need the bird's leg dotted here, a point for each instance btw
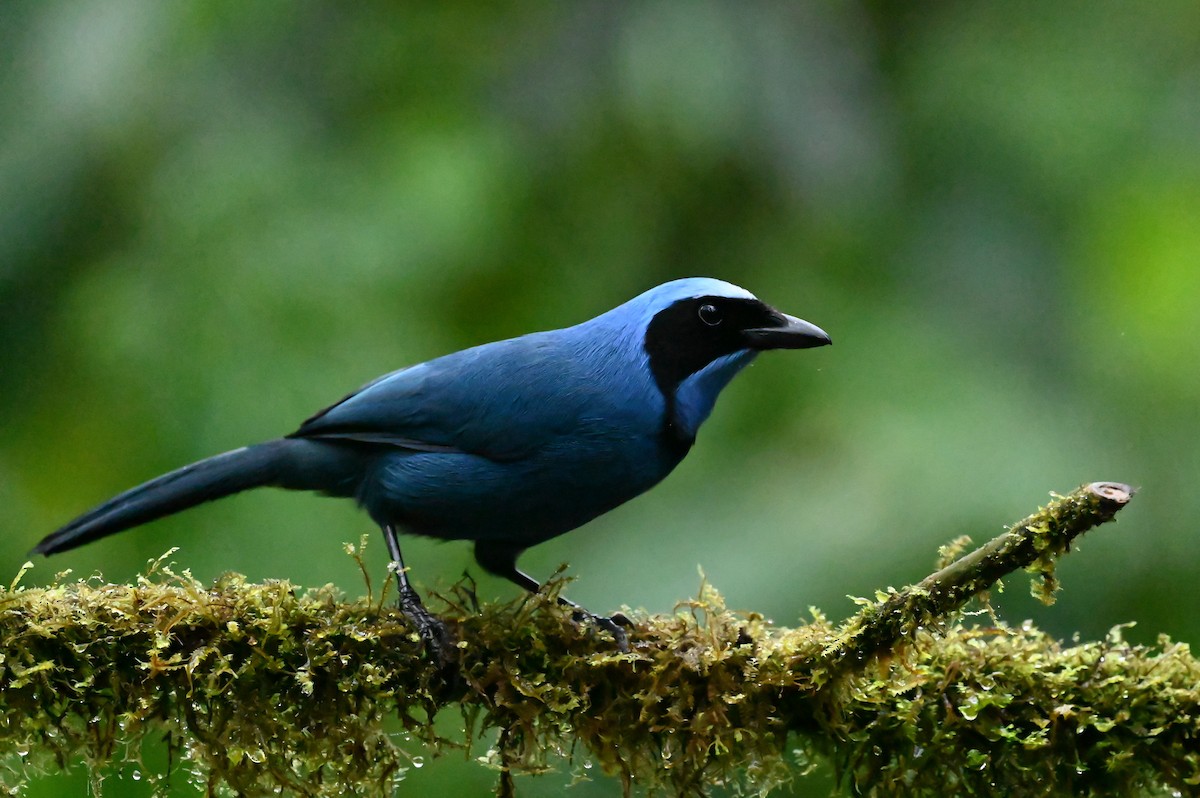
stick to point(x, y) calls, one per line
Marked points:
point(501, 560)
point(431, 629)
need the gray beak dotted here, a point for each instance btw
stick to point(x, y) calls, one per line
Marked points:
point(791, 333)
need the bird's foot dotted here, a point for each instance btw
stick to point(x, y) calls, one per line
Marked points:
point(430, 628)
point(615, 625)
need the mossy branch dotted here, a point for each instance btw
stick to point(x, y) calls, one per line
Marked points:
point(1034, 543)
point(258, 688)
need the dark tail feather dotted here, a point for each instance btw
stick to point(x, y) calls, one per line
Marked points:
point(241, 469)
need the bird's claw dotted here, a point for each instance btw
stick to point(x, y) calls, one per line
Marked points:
point(614, 626)
point(430, 628)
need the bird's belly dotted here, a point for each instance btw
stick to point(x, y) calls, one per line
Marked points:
point(463, 496)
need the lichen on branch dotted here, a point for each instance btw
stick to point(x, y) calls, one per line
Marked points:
point(260, 687)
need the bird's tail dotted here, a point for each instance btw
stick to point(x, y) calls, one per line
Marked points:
point(231, 472)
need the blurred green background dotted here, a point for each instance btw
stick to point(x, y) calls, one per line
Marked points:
point(216, 218)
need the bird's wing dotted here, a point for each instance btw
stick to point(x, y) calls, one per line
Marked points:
point(500, 401)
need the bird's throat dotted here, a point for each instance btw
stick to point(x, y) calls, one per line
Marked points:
point(676, 438)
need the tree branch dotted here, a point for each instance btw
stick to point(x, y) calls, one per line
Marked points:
point(1034, 543)
point(257, 687)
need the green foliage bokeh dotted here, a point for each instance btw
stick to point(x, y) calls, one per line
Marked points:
point(216, 218)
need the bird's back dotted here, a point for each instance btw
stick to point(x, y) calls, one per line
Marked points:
point(523, 438)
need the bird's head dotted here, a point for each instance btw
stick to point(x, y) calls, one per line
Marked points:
point(697, 333)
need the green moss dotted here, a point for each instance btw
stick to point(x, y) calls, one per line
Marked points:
point(260, 688)
point(255, 685)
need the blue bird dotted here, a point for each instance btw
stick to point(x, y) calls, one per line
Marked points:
point(507, 444)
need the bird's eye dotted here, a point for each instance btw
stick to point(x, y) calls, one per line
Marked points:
point(710, 315)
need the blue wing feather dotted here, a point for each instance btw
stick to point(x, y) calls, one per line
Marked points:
point(501, 401)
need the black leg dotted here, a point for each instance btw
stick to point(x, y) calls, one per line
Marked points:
point(431, 629)
point(501, 560)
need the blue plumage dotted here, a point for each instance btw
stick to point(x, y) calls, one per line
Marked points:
point(509, 443)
